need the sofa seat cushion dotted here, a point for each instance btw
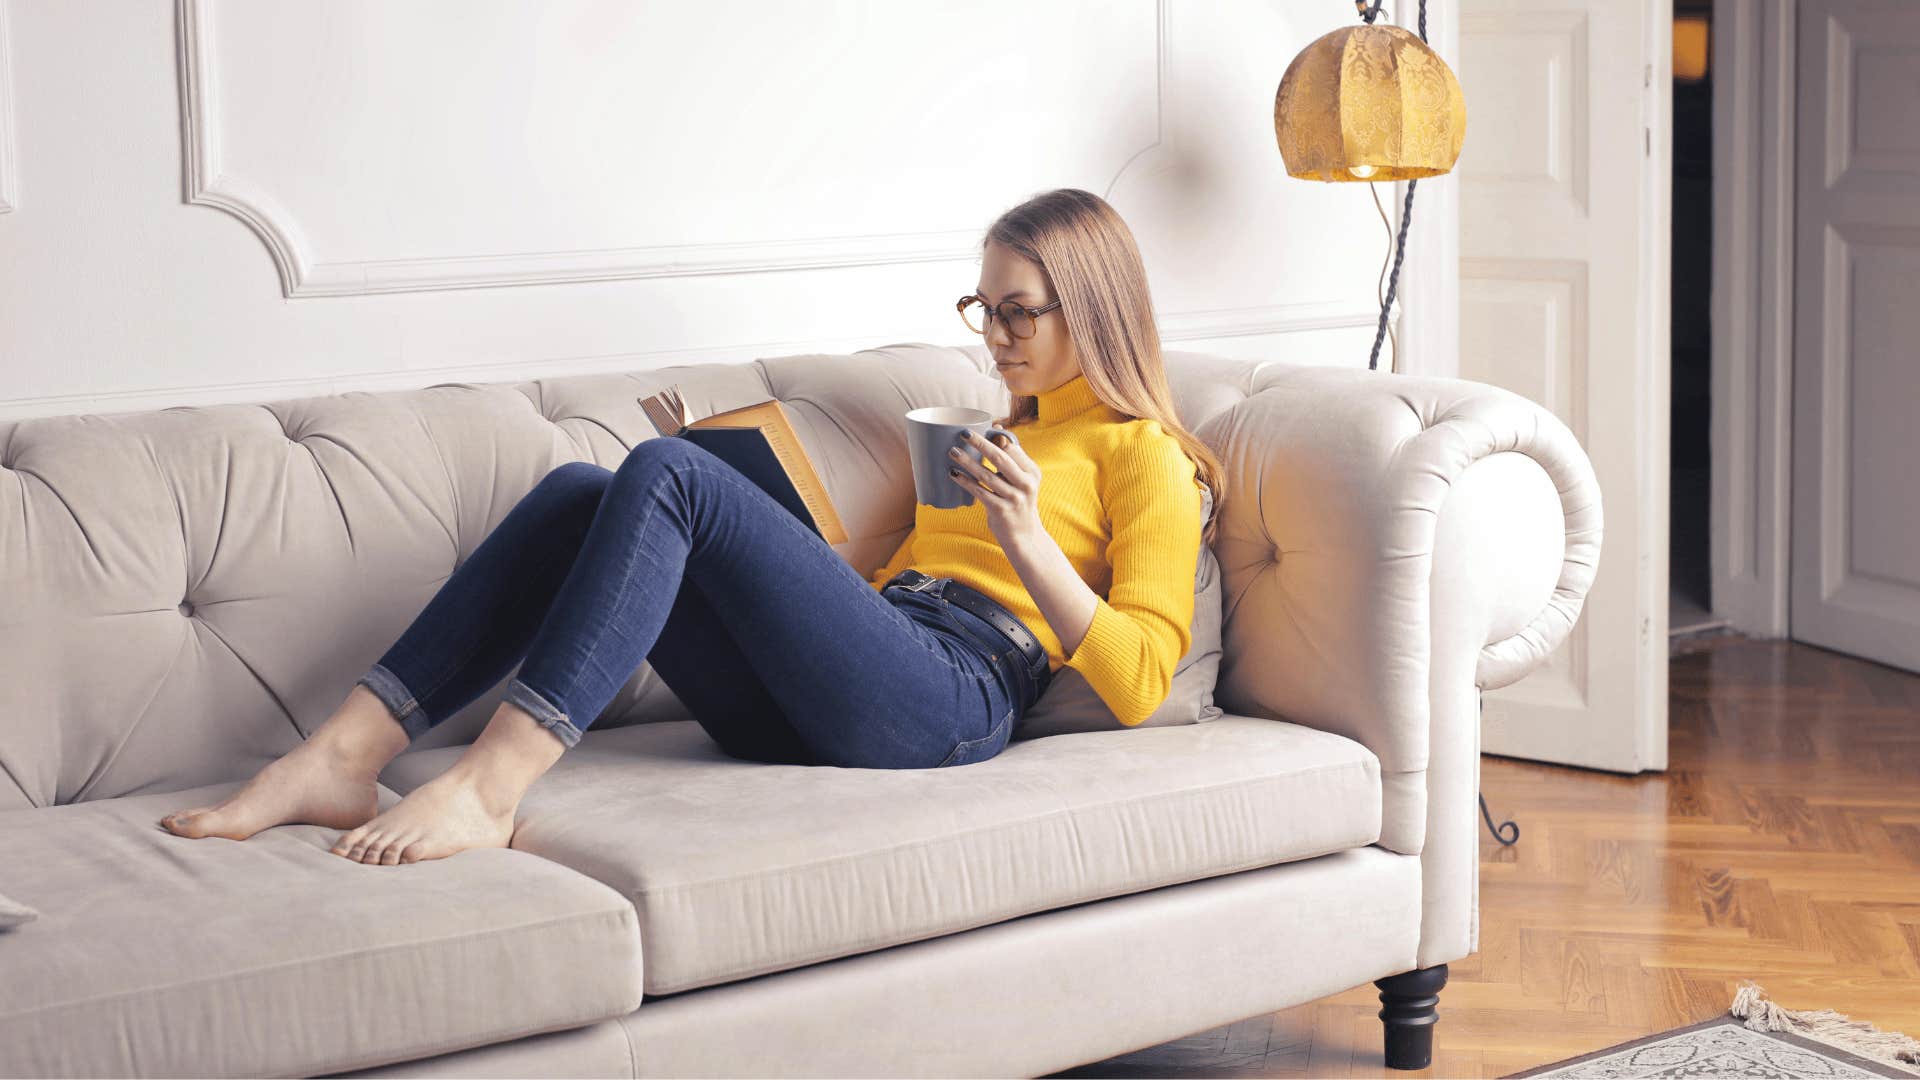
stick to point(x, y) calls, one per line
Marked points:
point(739, 868)
point(160, 955)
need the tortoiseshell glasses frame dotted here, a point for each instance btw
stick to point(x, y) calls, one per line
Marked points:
point(1021, 316)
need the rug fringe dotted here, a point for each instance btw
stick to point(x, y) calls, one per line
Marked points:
point(1824, 1025)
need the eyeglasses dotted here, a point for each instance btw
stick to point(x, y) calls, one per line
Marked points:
point(1019, 319)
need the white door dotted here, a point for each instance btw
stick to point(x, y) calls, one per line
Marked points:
point(1564, 192)
point(1855, 552)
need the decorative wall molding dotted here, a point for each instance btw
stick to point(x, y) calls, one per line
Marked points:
point(208, 184)
point(1255, 321)
point(386, 379)
point(9, 176)
point(1191, 326)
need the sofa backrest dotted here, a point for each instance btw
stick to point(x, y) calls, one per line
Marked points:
point(187, 592)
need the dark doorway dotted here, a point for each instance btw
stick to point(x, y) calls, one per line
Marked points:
point(1690, 600)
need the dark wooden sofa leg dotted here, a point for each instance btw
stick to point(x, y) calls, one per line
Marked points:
point(1410, 1006)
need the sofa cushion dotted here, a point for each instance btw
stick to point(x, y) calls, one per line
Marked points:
point(160, 955)
point(739, 868)
point(13, 913)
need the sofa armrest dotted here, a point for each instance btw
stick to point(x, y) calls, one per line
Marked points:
point(1391, 545)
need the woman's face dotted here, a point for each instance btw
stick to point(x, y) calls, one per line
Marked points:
point(1027, 365)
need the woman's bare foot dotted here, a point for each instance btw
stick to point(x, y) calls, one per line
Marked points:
point(308, 784)
point(470, 805)
point(327, 780)
point(447, 814)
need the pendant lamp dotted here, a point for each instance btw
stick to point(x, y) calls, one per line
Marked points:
point(1368, 103)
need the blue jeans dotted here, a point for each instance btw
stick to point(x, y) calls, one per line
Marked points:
point(777, 647)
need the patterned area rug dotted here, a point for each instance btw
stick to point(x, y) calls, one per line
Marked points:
point(1722, 1046)
point(1757, 1039)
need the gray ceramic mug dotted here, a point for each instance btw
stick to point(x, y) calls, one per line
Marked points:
point(930, 431)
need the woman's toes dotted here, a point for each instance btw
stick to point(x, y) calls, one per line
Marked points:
point(353, 839)
point(181, 822)
point(390, 854)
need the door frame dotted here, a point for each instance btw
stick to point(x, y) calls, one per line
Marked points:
point(1751, 316)
point(1656, 334)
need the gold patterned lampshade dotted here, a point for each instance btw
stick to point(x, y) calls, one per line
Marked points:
point(1369, 103)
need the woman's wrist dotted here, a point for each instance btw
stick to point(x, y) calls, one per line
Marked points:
point(1064, 600)
point(1029, 546)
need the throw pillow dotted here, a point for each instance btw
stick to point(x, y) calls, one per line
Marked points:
point(13, 913)
point(1070, 703)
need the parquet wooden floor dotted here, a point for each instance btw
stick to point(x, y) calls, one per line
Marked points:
point(1782, 844)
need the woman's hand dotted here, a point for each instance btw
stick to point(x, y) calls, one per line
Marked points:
point(1011, 495)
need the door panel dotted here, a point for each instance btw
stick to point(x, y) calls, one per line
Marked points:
point(1856, 384)
point(1564, 181)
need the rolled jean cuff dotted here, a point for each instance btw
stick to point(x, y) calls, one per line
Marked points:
point(542, 711)
point(399, 700)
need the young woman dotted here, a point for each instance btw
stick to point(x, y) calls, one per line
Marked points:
point(777, 647)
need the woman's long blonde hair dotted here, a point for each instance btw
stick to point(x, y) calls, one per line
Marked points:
point(1088, 257)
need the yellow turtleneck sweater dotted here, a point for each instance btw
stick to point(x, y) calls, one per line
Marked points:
point(1123, 501)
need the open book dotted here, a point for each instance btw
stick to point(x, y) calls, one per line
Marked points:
point(759, 441)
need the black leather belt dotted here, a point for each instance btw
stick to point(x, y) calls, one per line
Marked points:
point(971, 600)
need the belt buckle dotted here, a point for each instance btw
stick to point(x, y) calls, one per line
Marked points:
point(919, 582)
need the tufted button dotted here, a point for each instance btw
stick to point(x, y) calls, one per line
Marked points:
point(186, 608)
point(278, 421)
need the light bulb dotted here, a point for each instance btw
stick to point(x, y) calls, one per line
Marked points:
point(1361, 171)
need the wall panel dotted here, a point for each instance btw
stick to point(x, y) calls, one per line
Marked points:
point(244, 201)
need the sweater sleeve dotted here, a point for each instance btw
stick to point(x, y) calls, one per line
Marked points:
point(1144, 625)
point(902, 558)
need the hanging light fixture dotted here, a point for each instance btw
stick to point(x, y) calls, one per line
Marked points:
point(1367, 103)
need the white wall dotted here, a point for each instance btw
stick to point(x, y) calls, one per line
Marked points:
point(218, 200)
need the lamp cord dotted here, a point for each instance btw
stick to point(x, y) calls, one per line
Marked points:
point(1371, 13)
point(1393, 279)
point(1406, 213)
point(1386, 259)
point(1507, 832)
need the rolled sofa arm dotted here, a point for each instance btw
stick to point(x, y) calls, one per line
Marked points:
point(1390, 546)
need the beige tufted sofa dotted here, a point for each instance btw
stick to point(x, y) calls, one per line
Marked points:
point(189, 591)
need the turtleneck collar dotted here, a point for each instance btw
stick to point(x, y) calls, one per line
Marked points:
point(1070, 398)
